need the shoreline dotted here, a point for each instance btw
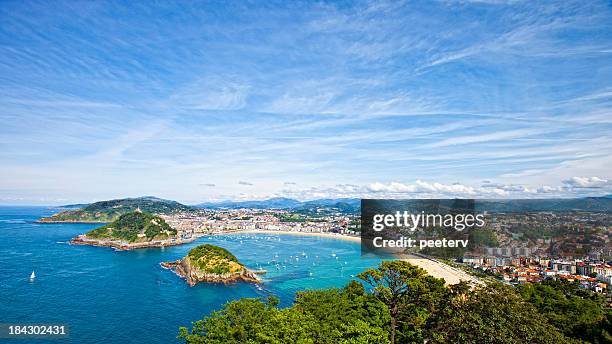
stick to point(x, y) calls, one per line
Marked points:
point(72, 222)
point(355, 239)
point(123, 246)
point(183, 268)
point(433, 267)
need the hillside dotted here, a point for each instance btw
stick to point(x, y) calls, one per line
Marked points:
point(209, 263)
point(214, 259)
point(343, 205)
point(108, 211)
point(593, 204)
point(134, 227)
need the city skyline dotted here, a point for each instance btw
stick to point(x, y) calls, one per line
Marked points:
point(200, 102)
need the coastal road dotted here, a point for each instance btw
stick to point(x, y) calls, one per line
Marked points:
point(438, 269)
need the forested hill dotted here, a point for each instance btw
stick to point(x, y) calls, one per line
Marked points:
point(134, 227)
point(108, 211)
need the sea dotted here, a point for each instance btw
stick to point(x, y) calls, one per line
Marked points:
point(108, 296)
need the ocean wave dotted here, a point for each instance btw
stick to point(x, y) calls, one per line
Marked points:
point(13, 221)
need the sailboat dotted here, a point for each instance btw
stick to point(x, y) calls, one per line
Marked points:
point(32, 276)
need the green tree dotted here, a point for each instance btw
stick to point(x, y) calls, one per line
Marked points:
point(577, 312)
point(493, 314)
point(251, 321)
point(407, 290)
point(405, 305)
point(345, 316)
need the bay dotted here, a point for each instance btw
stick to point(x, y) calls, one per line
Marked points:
point(126, 297)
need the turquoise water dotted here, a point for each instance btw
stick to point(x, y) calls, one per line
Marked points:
point(126, 297)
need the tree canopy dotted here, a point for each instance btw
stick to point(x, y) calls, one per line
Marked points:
point(399, 302)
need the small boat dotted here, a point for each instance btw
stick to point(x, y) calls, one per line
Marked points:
point(32, 275)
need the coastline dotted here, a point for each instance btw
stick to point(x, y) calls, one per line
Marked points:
point(435, 268)
point(355, 239)
point(124, 246)
point(184, 269)
point(67, 221)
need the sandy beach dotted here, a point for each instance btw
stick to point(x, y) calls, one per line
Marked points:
point(316, 234)
point(438, 269)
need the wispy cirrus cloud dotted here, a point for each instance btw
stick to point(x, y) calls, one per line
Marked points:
point(123, 99)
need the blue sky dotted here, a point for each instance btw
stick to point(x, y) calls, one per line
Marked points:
point(243, 100)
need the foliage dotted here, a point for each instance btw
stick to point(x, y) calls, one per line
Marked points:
point(423, 308)
point(409, 293)
point(128, 226)
point(494, 314)
point(354, 318)
point(483, 238)
point(250, 321)
point(214, 259)
point(291, 218)
point(577, 312)
point(347, 315)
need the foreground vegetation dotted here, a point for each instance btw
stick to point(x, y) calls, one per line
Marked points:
point(400, 303)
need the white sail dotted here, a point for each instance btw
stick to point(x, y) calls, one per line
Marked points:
point(33, 275)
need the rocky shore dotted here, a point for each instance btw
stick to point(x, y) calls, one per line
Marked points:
point(212, 264)
point(51, 220)
point(193, 275)
point(122, 245)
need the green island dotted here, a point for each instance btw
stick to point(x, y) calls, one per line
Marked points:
point(209, 263)
point(108, 211)
point(132, 230)
point(214, 259)
point(400, 303)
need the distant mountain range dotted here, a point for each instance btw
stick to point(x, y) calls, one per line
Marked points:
point(272, 203)
point(592, 204)
point(341, 204)
point(595, 204)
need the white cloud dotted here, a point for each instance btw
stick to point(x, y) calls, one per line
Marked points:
point(587, 182)
point(421, 187)
point(425, 189)
point(545, 189)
